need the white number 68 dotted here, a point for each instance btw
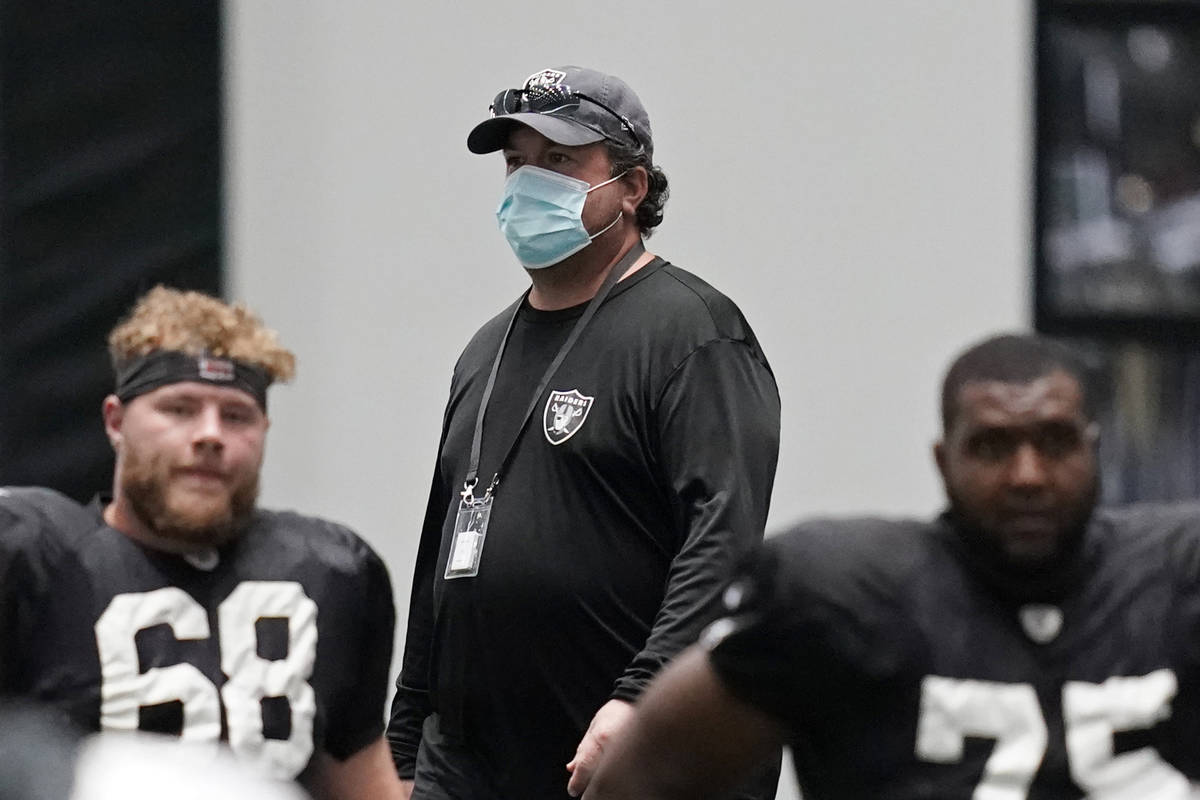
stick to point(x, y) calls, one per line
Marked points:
point(251, 678)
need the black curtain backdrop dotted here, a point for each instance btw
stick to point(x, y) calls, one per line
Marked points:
point(110, 183)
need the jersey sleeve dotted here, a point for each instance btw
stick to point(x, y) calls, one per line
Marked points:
point(356, 719)
point(19, 583)
point(35, 525)
point(718, 428)
point(748, 645)
point(816, 605)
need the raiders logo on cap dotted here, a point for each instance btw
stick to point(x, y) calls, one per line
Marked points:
point(547, 77)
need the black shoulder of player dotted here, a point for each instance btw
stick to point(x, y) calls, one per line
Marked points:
point(1168, 533)
point(1142, 518)
point(827, 552)
point(29, 512)
point(330, 541)
point(857, 537)
point(38, 530)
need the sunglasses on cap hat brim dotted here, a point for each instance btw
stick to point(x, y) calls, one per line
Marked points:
point(546, 109)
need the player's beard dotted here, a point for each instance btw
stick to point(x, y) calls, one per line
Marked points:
point(988, 534)
point(189, 518)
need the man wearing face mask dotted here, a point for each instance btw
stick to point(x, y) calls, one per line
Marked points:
point(607, 452)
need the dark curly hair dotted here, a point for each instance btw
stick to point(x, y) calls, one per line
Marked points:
point(650, 210)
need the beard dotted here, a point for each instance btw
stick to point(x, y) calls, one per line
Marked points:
point(199, 519)
point(993, 537)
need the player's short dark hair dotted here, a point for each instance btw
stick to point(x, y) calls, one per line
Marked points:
point(650, 210)
point(1011, 358)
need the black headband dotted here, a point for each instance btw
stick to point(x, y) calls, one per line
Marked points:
point(147, 373)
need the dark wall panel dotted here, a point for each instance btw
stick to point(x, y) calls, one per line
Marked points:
point(110, 183)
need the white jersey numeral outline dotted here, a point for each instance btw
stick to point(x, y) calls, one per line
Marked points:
point(1094, 712)
point(1009, 713)
point(251, 678)
point(952, 709)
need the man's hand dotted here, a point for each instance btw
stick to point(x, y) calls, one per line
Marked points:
point(607, 723)
point(406, 789)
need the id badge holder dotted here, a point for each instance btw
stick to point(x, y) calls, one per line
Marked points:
point(470, 529)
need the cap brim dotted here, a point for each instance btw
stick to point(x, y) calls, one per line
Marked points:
point(492, 134)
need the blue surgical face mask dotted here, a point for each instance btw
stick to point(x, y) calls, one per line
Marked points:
point(541, 215)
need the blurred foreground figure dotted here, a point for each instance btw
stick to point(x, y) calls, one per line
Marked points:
point(150, 767)
point(1018, 646)
point(175, 605)
point(41, 758)
point(37, 750)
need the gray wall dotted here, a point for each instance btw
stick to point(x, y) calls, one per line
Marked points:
point(854, 174)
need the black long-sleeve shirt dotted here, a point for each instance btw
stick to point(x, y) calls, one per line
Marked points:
point(605, 546)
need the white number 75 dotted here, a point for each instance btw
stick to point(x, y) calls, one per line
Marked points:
point(952, 709)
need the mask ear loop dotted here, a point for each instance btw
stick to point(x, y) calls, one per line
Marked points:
point(606, 228)
point(607, 182)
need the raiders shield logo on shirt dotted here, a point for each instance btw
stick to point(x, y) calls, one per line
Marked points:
point(564, 414)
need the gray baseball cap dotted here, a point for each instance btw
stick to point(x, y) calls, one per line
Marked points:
point(568, 105)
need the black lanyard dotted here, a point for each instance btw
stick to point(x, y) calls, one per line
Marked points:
point(610, 280)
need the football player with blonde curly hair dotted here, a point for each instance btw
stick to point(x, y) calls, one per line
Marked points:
point(192, 612)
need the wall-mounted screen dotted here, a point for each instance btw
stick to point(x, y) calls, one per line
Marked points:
point(1117, 218)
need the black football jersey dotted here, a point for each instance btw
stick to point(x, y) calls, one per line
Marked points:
point(36, 529)
point(279, 644)
point(903, 671)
